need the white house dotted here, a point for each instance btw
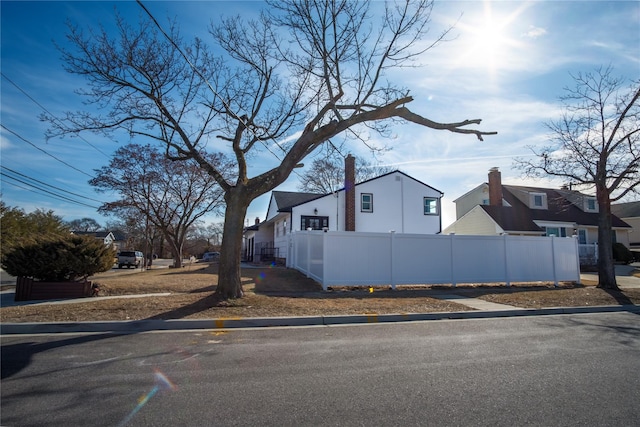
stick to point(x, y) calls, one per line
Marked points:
point(391, 202)
point(107, 237)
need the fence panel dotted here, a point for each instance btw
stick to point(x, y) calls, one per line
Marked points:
point(352, 259)
point(422, 259)
point(478, 259)
point(529, 259)
point(365, 260)
point(316, 256)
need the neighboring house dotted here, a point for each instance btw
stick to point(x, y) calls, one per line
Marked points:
point(630, 213)
point(391, 202)
point(493, 209)
point(107, 237)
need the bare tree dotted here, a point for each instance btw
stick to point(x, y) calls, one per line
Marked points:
point(595, 144)
point(84, 225)
point(283, 85)
point(326, 174)
point(169, 195)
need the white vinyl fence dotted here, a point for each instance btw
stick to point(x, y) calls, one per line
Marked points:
point(336, 258)
point(588, 254)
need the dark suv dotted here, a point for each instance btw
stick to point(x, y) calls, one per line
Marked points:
point(130, 258)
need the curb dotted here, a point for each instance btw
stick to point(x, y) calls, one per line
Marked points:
point(137, 326)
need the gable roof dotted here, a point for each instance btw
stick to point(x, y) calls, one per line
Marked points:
point(285, 200)
point(626, 210)
point(519, 217)
point(401, 173)
point(512, 218)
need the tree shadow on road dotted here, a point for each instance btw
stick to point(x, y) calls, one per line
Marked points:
point(16, 357)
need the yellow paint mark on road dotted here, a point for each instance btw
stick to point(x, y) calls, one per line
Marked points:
point(220, 322)
point(372, 317)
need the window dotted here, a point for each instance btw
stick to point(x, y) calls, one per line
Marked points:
point(556, 231)
point(537, 200)
point(366, 202)
point(314, 222)
point(430, 206)
point(591, 204)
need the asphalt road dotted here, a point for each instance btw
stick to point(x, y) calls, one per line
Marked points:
point(551, 370)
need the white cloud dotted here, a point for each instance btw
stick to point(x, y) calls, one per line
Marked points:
point(534, 32)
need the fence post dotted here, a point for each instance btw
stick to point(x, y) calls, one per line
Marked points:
point(308, 268)
point(324, 260)
point(553, 255)
point(506, 260)
point(577, 248)
point(392, 247)
point(453, 258)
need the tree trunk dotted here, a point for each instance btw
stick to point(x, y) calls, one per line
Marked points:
point(176, 250)
point(229, 283)
point(606, 267)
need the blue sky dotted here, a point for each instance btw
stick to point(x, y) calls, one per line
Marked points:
point(508, 64)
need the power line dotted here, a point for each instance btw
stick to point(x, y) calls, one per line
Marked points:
point(49, 185)
point(44, 151)
point(47, 193)
point(50, 113)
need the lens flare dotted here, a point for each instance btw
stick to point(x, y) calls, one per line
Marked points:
point(161, 383)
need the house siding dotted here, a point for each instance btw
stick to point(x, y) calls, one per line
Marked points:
point(475, 197)
point(634, 235)
point(389, 211)
point(398, 204)
point(475, 222)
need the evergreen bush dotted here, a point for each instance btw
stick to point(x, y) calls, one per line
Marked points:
point(622, 254)
point(59, 258)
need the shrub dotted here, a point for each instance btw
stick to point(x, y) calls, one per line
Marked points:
point(59, 259)
point(621, 253)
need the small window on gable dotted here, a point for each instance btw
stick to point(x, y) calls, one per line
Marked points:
point(430, 206)
point(538, 201)
point(591, 204)
point(366, 202)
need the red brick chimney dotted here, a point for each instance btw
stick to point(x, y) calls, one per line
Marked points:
point(350, 193)
point(495, 187)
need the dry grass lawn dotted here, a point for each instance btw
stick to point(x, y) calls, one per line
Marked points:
point(275, 292)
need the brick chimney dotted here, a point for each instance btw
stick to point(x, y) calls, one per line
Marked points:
point(495, 187)
point(350, 193)
point(257, 220)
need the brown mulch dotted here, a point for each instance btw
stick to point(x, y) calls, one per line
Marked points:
point(277, 292)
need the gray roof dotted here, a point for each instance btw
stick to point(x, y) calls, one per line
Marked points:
point(626, 210)
point(519, 217)
point(285, 200)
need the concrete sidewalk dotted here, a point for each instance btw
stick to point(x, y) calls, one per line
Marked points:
point(624, 276)
point(481, 309)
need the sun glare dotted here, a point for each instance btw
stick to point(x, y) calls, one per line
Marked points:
point(488, 43)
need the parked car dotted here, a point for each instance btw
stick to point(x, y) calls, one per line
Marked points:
point(130, 258)
point(210, 256)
